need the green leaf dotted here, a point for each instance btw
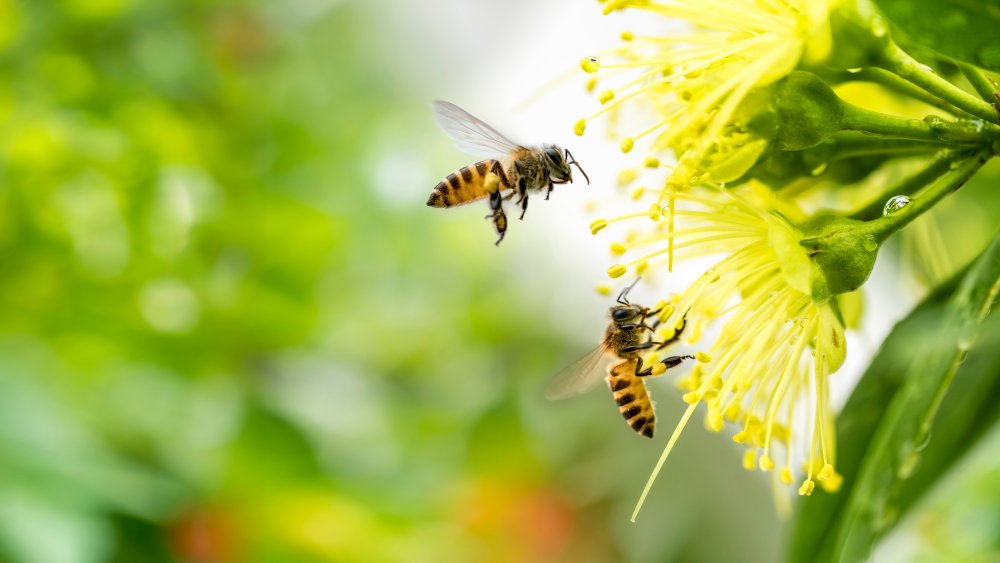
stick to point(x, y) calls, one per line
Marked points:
point(965, 30)
point(886, 453)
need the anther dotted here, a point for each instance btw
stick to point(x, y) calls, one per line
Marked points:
point(692, 397)
point(715, 420)
point(825, 473)
point(626, 177)
point(766, 463)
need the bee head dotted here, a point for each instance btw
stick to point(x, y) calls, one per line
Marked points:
point(625, 313)
point(558, 160)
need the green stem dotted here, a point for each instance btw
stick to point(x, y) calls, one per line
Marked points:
point(938, 166)
point(959, 172)
point(894, 83)
point(897, 61)
point(932, 129)
point(979, 80)
point(853, 144)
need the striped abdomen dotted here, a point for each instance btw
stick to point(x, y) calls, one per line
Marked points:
point(464, 186)
point(633, 401)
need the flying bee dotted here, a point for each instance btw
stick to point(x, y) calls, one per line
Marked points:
point(511, 169)
point(626, 338)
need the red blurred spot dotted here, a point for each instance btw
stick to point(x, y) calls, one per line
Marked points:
point(204, 535)
point(239, 37)
point(518, 522)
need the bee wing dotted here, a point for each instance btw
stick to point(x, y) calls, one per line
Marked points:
point(470, 133)
point(579, 376)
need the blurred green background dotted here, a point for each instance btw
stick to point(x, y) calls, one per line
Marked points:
point(225, 337)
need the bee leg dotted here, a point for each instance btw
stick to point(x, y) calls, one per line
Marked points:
point(671, 362)
point(676, 336)
point(524, 206)
point(498, 216)
point(642, 322)
point(498, 170)
point(646, 313)
point(496, 204)
point(674, 361)
point(549, 191)
point(500, 224)
point(637, 347)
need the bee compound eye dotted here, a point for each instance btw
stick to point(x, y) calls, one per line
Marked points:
point(553, 155)
point(621, 315)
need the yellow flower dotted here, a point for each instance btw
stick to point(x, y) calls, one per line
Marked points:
point(691, 88)
point(692, 83)
point(767, 371)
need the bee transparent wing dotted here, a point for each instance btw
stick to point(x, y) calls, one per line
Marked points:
point(470, 133)
point(579, 376)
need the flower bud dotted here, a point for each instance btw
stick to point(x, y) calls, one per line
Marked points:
point(808, 111)
point(841, 252)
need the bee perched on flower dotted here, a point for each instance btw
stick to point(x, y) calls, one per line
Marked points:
point(769, 365)
point(743, 114)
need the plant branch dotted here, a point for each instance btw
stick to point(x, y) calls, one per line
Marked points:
point(894, 83)
point(939, 165)
point(854, 144)
point(932, 128)
point(959, 172)
point(897, 61)
point(979, 80)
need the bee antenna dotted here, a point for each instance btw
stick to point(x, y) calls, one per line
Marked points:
point(573, 161)
point(623, 296)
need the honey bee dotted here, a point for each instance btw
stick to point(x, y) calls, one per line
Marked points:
point(511, 169)
point(626, 338)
